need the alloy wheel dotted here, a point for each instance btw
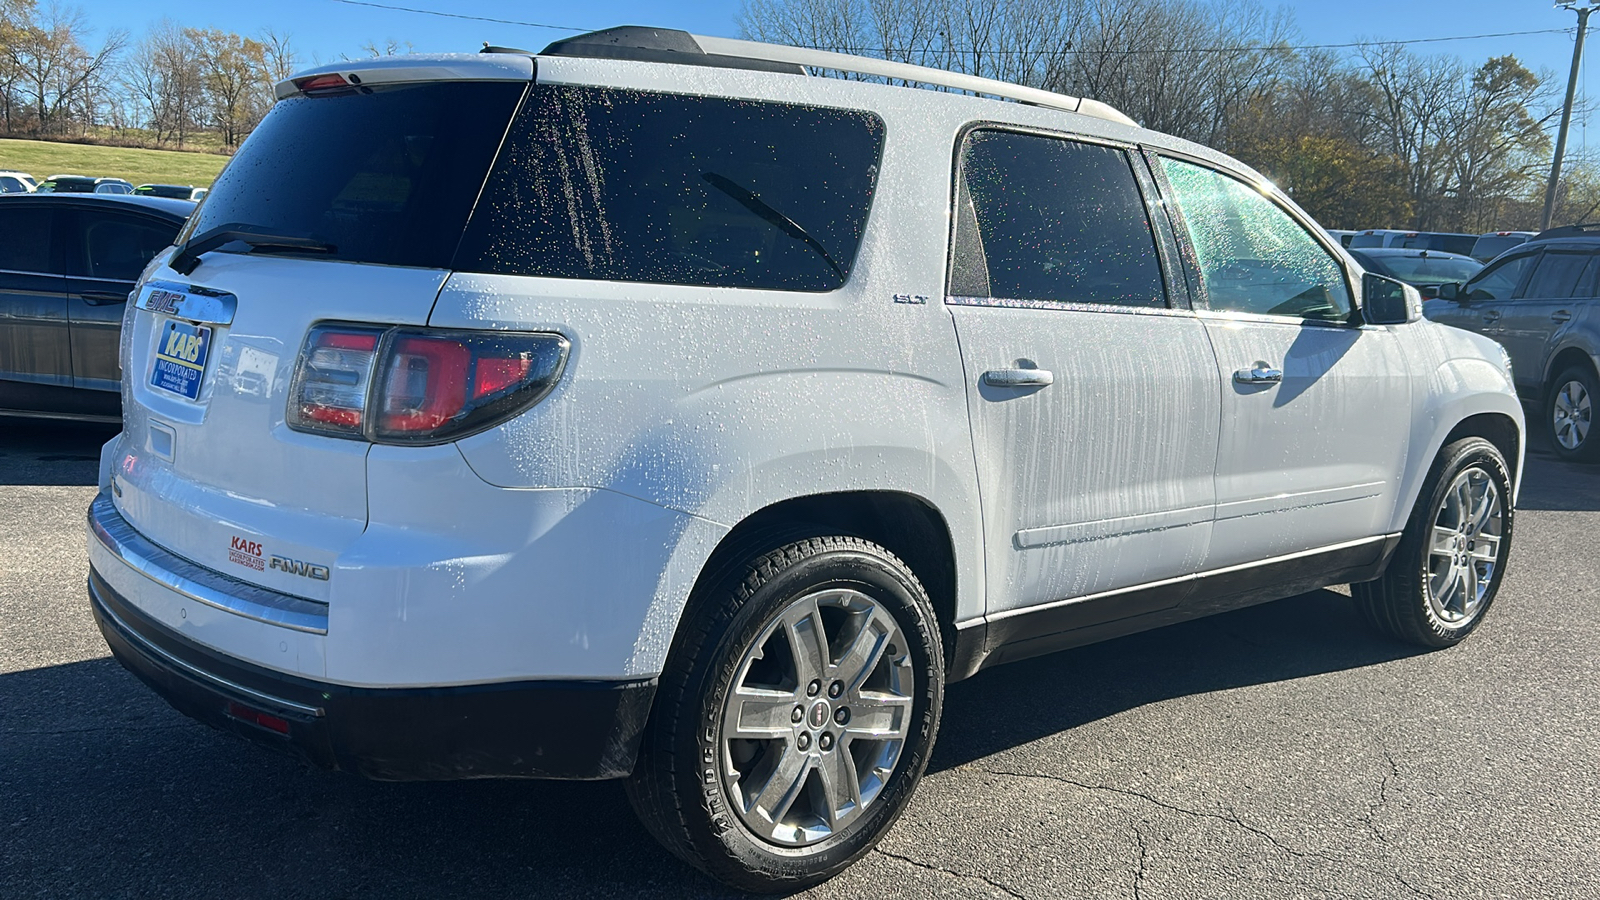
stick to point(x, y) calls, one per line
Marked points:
point(1571, 415)
point(816, 717)
point(1464, 549)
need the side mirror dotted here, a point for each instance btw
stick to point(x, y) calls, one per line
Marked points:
point(1451, 291)
point(1385, 301)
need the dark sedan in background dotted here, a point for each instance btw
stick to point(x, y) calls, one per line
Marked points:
point(1423, 269)
point(67, 263)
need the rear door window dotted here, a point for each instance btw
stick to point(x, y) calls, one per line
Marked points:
point(1045, 219)
point(1556, 276)
point(386, 174)
point(117, 246)
point(25, 239)
point(625, 185)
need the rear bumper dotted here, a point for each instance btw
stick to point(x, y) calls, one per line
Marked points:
point(529, 729)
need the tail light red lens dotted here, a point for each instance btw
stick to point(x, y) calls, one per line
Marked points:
point(422, 385)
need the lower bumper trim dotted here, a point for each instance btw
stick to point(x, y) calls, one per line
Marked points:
point(580, 730)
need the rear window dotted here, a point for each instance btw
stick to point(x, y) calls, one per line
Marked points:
point(625, 185)
point(1490, 247)
point(1365, 240)
point(386, 174)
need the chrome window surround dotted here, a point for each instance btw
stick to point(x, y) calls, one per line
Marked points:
point(197, 583)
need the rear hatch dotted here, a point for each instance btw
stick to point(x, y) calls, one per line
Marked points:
point(362, 180)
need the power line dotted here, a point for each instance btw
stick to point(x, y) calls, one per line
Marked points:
point(449, 15)
point(902, 51)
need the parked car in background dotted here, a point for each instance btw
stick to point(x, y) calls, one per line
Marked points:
point(1340, 235)
point(175, 191)
point(644, 420)
point(1423, 269)
point(1490, 245)
point(1371, 237)
point(67, 263)
point(17, 183)
point(1541, 301)
point(84, 184)
point(1447, 242)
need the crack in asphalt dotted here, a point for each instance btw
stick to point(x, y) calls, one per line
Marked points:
point(933, 868)
point(1383, 798)
point(1144, 859)
point(1232, 818)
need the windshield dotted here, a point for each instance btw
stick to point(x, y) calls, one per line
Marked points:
point(385, 175)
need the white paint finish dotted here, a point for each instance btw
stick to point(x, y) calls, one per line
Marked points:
point(1116, 455)
point(1296, 460)
point(460, 582)
point(280, 649)
point(236, 469)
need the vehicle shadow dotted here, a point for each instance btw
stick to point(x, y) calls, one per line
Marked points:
point(111, 793)
point(1014, 704)
point(49, 452)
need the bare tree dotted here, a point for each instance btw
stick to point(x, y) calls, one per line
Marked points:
point(50, 66)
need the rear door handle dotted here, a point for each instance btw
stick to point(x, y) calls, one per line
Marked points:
point(1019, 377)
point(1258, 375)
point(1561, 315)
point(103, 298)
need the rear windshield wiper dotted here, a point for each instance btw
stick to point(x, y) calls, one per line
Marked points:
point(188, 256)
point(760, 207)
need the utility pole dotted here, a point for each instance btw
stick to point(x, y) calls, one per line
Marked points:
point(1583, 10)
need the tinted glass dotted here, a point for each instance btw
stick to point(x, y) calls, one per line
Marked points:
point(1253, 257)
point(12, 185)
point(386, 175)
point(633, 186)
point(1048, 219)
point(24, 239)
point(1494, 245)
point(1423, 269)
point(1499, 281)
point(1556, 275)
point(1366, 240)
point(119, 246)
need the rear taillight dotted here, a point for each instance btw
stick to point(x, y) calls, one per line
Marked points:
point(419, 385)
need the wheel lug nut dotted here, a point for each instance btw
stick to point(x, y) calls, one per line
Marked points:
point(803, 741)
point(841, 715)
point(835, 689)
point(826, 741)
point(813, 688)
point(798, 715)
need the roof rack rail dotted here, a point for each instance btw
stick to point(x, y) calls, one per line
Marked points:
point(1567, 231)
point(673, 46)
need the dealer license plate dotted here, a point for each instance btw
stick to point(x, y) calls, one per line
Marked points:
point(181, 352)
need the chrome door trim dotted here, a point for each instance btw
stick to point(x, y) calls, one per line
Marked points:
point(1302, 500)
point(1029, 538)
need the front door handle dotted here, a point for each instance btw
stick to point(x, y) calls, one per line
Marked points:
point(1019, 378)
point(1491, 317)
point(1258, 375)
point(1561, 315)
point(104, 298)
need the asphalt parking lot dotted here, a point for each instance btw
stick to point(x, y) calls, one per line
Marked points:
point(1279, 751)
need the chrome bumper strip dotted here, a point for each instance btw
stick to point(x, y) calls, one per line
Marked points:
point(200, 584)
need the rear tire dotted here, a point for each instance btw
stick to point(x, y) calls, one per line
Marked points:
point(1446, 571)
point(773, 759)
point(1569, 413)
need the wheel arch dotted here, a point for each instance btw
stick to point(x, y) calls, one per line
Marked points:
point(1571, 355)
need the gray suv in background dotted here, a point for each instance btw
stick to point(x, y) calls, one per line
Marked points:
point(1539, 300)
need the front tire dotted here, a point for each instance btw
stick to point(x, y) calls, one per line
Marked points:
point(1569, 411)
point(796, 715)
point(1446, 571)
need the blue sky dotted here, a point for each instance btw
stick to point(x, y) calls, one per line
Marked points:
point(323, 29)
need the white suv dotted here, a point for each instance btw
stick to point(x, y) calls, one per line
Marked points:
point(648, 408)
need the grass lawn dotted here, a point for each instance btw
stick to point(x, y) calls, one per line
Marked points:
point(44, 158)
